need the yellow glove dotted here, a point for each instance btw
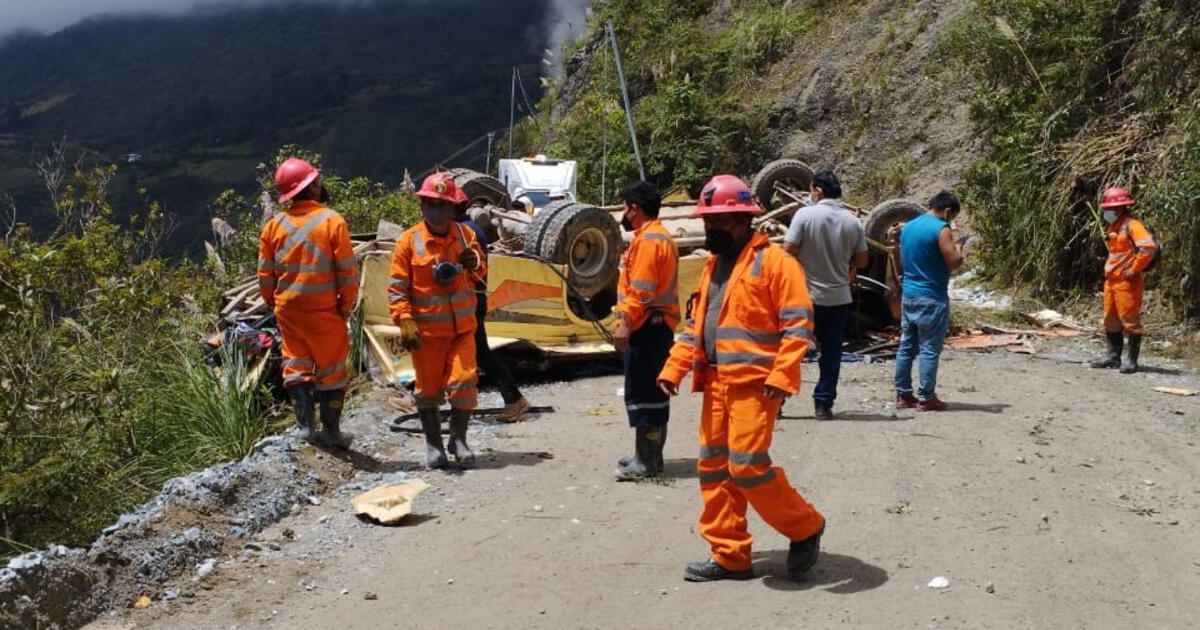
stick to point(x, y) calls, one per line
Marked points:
point(410, 335)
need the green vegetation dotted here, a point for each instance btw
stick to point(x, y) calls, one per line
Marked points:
point(1075, 97)
point(104, 389)
point(701, 87)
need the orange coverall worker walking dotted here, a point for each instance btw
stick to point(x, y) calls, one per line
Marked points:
point(308, 275)
point(749, 327)
point(431, 297)
point(1131, 249)
point(647, 313)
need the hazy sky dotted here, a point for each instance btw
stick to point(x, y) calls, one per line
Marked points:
point(48, 16)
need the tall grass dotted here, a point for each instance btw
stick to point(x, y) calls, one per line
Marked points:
point(1075, 97)
point(204, 415)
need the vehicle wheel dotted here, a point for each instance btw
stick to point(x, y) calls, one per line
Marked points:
point(536, 231)
point(883, 222)
point(481, 189)
point(792, 176)
point(588, 241)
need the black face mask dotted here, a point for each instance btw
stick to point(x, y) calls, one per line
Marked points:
point(324, 198)
point(718, 241)
point(626, 224)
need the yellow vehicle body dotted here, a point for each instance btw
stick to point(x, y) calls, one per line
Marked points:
point(527, 305)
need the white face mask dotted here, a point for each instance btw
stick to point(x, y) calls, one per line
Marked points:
point(1109, 216)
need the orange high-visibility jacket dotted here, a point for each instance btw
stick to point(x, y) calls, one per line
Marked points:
point(305, 260)
point(440, 310)
point(649, 279)
point(1130, 246)
point(764, 327)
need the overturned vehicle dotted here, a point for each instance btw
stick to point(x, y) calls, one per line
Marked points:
point(552, 279)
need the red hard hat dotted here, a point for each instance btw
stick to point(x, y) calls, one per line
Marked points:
point(293, 176)
point(1116, 198)
point(726, 194)
point(441, 186)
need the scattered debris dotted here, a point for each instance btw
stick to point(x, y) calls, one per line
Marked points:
point(939, 582)
point(369, 595)
point(142, 603)
point(205, 568)
point(1175, 391)
point(391, 502)
point(1053, 319)
point(990, 588)
point(901, 507)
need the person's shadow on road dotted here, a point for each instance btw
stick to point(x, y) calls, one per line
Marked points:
point(981, 407)
point(833, 573)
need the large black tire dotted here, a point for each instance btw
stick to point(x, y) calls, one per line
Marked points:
point(889, 214)
point(536, 231)
point(481, 189)
point(588, 241)
point(792, 175)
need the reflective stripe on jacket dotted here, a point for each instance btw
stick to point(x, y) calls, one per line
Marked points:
point(1130, 246)
point(649, 279)
point(305, 260)
point(440, 310)
point(764, 326)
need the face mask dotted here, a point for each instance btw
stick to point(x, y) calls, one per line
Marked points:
point(718, 241)
point(1109, 216)
point(626, 224)
point(324, 195)
point(437, 217)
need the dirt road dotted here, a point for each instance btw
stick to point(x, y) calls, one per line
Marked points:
point(1050, 496)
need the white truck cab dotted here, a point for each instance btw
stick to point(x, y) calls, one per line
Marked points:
point(542, 179)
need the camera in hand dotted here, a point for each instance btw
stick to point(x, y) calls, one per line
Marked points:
point(445, 272)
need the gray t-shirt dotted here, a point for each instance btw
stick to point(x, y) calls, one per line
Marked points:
point(827, 236)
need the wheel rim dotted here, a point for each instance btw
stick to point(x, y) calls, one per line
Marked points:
point(588, 252)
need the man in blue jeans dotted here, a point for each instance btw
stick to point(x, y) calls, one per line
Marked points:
point(928, 253)
point(829, 240)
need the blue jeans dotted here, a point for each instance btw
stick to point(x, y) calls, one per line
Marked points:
point(923, 326)
point(829, 327)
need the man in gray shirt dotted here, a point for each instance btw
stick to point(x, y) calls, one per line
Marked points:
point(829, 241)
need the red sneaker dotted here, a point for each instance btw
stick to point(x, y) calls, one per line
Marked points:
point(933, 404)
point(906, 401)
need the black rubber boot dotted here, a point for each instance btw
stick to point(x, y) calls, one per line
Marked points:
point(1130, 364)
point(802, 555)
point(459, 420)
point(710, 571)
point(331, 403)
point(1112, 360)
point(660, 466)
point(431, 425)
point(305, 406)
point(658, 447)
point(643, 464)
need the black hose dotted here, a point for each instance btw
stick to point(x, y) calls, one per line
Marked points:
point(582, 300)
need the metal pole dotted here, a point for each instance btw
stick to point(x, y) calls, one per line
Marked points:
point(487, 169)
point(612, 35)
point(512, 109)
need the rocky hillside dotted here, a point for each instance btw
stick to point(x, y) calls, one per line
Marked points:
point(1027, 108)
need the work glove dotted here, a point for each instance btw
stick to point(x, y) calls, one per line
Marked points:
point(469, 259)
point(410, 335)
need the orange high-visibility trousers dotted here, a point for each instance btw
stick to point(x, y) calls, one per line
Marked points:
point(445, 368)
point(1123, 305)
point(315, 345)
point(735, 470)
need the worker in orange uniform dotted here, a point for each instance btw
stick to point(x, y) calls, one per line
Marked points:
point(432, 299)
point(749, 327)
point(647, 313)
point(308, 275)
point(1131, 249)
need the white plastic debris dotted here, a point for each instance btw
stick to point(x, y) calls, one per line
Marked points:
point(206, 567)
point(939, 582)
